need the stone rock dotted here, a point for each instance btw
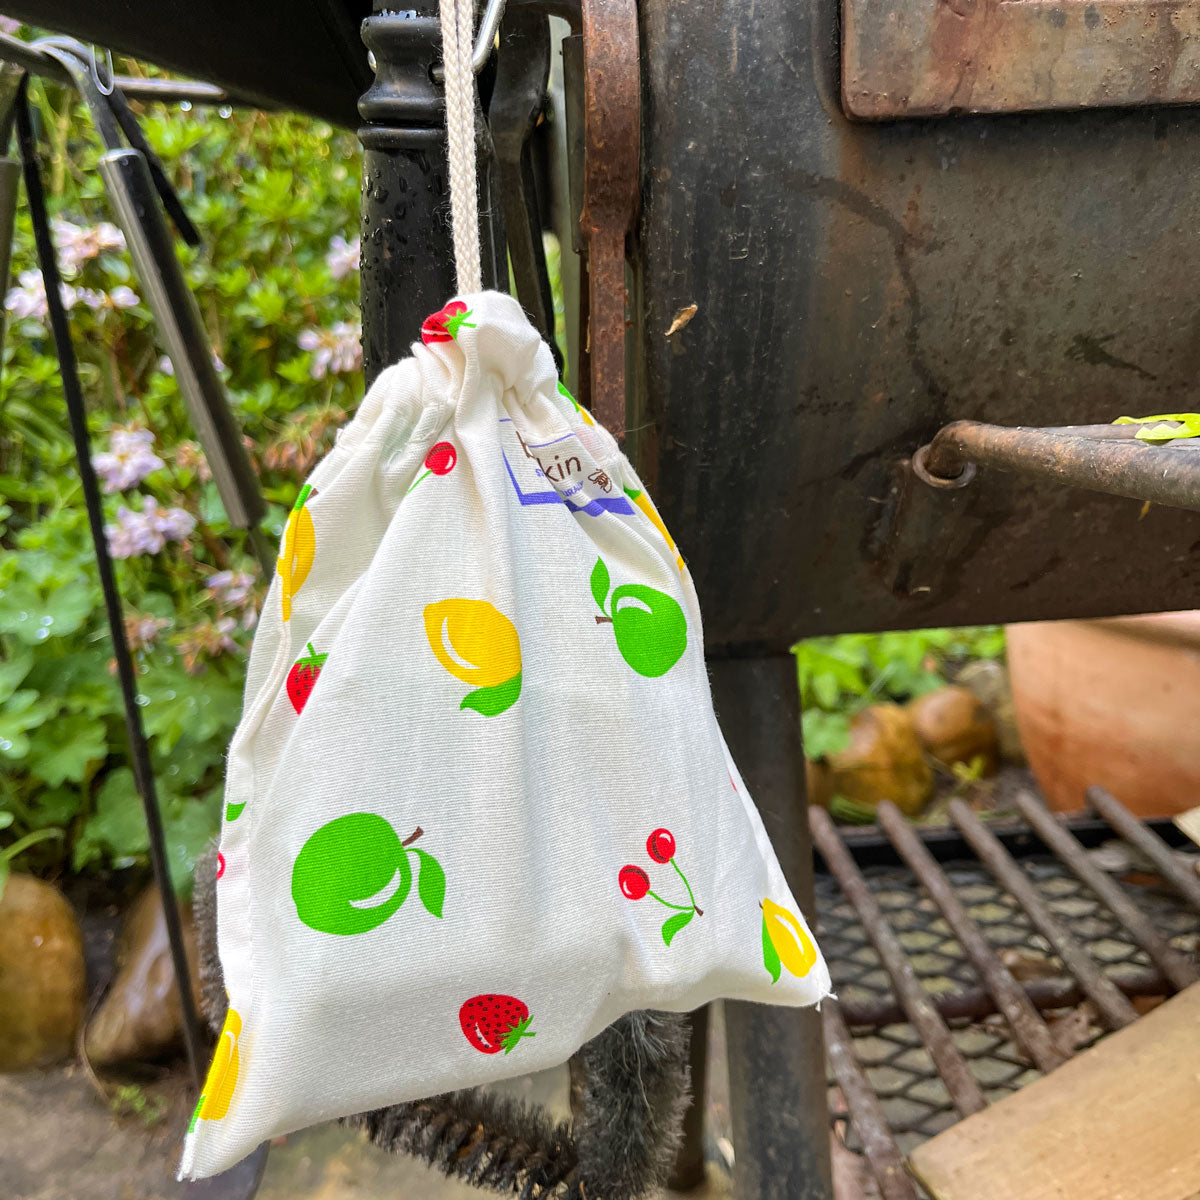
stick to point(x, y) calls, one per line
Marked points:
point(141, 1016)
point(954, 727)
point(884, 761)
point(816, 779)
point(42, 986)
point(988, 682)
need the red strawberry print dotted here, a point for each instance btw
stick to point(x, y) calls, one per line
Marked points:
point(493, 1023)
point(302, 678)
point(443, 326)
point(220, 864)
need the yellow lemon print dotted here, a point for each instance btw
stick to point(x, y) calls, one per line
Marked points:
point(643, 502)
point(478, 644)
point(222, 1075)
point(299, 547)
point(785, 942)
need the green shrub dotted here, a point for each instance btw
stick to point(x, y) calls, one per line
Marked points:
point(841, 675)
point(276, 199)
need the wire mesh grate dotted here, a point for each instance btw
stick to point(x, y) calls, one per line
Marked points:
point(913, 1096)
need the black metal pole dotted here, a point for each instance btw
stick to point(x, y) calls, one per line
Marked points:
point(407, 247)
point(776, 1055)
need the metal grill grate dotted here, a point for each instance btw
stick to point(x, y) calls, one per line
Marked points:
point(907, 1098)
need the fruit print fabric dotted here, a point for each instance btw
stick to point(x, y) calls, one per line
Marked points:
point(222, 1076)
point(650, 628)
point(302, 678)
point(495, 1023)
point(478, 644)
point(355, 872)
point(299, 549)
point(445, 762)
point(635, 883)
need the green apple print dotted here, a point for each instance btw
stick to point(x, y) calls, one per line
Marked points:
point(354, 873)
point(649, 625)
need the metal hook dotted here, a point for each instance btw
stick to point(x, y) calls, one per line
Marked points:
point(112, 75)
point(485, 38)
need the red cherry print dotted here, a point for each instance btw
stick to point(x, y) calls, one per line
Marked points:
point(220, 864)
point(660, 845)
point(635, 883)
point(441, 459)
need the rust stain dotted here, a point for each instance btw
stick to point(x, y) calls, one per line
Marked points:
point(948, 56)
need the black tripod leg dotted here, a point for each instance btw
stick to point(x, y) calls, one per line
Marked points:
point(776, 1055)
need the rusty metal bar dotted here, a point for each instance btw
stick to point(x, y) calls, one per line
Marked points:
point(1172, 964)
point(870, 1124)
point(611, 181)
point(1025, 1021)
point(974, 1003)
point(1120, 466)
point(917, 1003)
point(1114, 1008)
point(1127, 826)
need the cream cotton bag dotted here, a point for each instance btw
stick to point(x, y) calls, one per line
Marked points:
point(478, 805)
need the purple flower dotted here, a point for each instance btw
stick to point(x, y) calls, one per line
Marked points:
point(128, 460)
point(10, 25)
point(149, 531)
point(28, 298)
point(338, 349)
point(120, 297)
point(167, 367)
point(342, 257)
point(76, 244)
point(230, 588)
point(142, 631)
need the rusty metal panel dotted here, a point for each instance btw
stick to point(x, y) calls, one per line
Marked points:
point(921, 58)
point(860, 285)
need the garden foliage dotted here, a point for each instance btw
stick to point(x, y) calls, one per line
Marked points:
point(276, 198)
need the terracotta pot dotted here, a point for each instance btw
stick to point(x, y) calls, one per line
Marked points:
point(1112, 703)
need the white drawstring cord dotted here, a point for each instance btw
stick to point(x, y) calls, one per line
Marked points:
point(458, 18)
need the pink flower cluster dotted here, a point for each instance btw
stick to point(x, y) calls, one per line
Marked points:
point(338, 349)
point(148, 531)
point(76, 244)
point(234, 590)
point(342, 257)
point(128, 460)
point(28, 299)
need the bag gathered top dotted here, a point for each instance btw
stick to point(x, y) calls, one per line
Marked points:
point(478, 806)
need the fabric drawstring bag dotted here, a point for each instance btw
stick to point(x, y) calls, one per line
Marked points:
point(478, 806)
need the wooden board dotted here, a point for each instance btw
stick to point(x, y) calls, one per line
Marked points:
point(1189, 823)
point(1120, 1122)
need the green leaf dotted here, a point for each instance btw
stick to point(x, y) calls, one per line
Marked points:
point(13, 672)
point(770, 954)
point(23, 710)
point(189, 825)
point(674, 924)
point(492, 701)
point(431, 881)
point(825, 733)
point(62, 748)
point(118, 824)
point(600, 583)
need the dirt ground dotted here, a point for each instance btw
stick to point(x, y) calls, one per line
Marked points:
point(60, 1141)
